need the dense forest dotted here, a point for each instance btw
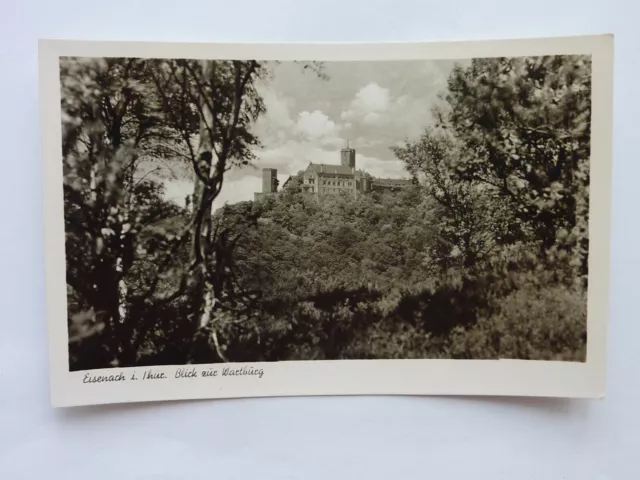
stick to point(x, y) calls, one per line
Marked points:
point(485, 257)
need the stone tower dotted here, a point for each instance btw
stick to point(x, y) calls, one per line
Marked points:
point(269, 180)
point(348, 156)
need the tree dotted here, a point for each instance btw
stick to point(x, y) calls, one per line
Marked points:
point(212, 104)
point(470, 218)
point(111, 126)
point(172, 269)
point(525, 126)
point(505, 172)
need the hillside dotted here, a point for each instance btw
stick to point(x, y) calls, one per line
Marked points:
point(347, 278)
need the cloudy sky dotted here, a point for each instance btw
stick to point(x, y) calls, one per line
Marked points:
point(373, 105)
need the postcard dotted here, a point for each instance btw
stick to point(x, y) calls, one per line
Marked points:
point(252, 220)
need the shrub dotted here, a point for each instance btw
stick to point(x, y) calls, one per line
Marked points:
point(529, 324)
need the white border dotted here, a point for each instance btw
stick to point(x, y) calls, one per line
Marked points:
point(349, 377)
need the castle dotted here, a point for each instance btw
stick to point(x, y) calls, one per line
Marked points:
point(321, 179)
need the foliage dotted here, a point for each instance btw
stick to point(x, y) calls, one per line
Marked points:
point(127, 255)
point(473, 220)
point(531, 323)
point(525, 125)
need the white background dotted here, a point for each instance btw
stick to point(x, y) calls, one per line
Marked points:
point(307, 438)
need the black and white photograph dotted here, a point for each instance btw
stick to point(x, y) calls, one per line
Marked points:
point(248, 211)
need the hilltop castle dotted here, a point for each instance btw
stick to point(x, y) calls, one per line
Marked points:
point(321, 179)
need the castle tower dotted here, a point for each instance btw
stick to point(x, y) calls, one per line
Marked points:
point(269, 180)
point(348, 156)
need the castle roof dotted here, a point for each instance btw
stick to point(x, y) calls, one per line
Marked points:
point(330, 169)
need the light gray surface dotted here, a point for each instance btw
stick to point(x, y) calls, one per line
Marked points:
point(304, 437)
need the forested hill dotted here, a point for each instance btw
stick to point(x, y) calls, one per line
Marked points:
point(362, 278)
point(328, 270)
point(305, 246)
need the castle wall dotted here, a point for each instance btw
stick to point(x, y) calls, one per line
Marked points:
point(336, 184)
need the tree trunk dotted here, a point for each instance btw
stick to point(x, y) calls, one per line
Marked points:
point(203, 296)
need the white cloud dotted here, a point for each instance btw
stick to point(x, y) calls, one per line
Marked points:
point(372, 98)
point(316, 126)
point(388, 114)
point(369, 103)
point(278, 126)
point(277, 113)
point(372, 118)
point(277, 109)
point(273, 125)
